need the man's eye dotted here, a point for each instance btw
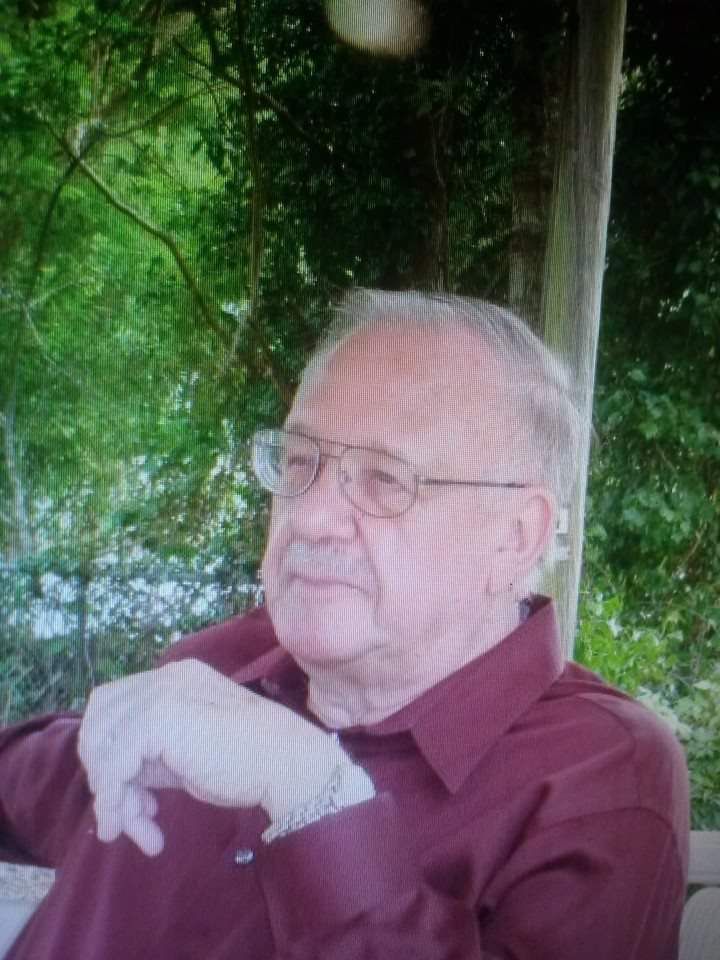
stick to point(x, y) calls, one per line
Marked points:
point(382, 480)
point(297, 461)
point(382, 477)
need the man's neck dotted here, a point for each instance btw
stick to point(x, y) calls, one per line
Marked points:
point(352, 694)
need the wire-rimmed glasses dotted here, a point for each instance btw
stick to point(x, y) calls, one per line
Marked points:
point(377, 483)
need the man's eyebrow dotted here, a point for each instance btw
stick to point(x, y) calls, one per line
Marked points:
point(297, 426)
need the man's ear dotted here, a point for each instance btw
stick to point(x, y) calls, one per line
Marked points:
point(527, 532)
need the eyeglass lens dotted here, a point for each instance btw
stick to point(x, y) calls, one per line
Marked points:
point(375, 482)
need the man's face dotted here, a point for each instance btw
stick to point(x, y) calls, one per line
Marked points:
point(347, 589)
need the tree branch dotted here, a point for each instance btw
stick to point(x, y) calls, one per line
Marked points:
point(159, 114)
point(54, 197)
point(218, 67)
point(154, 231)
point(23, 540)
point(26, 308)
point(284, 115)
point(258, 358)
point(258, 192)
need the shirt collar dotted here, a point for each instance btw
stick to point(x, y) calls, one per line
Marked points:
point(457, 721)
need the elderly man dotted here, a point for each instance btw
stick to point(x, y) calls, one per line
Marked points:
point(391, 759)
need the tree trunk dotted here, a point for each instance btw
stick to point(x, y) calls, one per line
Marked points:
point(85, 639)
point(21, 533)
point(424, 140)
point(537, 79)
point(575, 256)
point(431, 258)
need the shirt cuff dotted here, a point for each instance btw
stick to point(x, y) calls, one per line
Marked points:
point(349, 784)
point(334, 870)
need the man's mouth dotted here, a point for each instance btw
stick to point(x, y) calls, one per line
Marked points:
point(321, 581)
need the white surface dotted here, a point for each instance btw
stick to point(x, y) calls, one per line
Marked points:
point(13, 917)
point(700, 932)
point(705, 859)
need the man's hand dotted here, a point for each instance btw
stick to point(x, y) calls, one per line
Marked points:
point(188, 727)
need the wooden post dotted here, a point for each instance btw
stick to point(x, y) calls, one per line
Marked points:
point(577, 229)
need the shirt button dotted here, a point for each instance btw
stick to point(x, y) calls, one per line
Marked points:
point(243, 856)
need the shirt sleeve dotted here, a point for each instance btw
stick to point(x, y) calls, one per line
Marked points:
point(602, 887)
point(43, 789)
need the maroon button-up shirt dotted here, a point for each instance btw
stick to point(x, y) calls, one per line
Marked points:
point(524, 810)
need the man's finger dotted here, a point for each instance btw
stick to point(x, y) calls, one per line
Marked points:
point(138, 810)
point(146, 835)
point(112, 783)
point(108, 815)
point(149, 804)
point(106, 709)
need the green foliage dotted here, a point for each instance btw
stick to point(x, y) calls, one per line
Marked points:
point(650, 604)
point(695, 719)
point(653, 511)
point(628, 654)
point(281, 167)
point(699, 713)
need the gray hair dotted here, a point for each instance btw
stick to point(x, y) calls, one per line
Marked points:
point(538, 388)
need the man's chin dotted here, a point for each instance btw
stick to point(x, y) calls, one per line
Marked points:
point(319, 634)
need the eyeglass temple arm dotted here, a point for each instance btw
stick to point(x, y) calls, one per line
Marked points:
point(472, 483)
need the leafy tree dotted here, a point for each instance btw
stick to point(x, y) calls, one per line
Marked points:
point(650, 607)
point(186, 185)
